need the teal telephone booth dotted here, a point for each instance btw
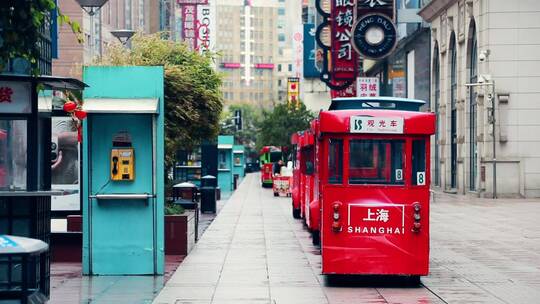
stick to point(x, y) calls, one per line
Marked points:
point(225, 163)
point(123, 163)
point(239, 162)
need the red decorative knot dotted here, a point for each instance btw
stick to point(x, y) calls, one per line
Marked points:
point(5, 94)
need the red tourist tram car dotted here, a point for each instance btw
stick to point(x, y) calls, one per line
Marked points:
point(374, 176)
point(295, 187)
point(267, 157)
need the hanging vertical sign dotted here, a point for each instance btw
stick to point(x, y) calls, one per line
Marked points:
point(344, 59)
point(189, 20)
point(293, 90)
point(205, 27)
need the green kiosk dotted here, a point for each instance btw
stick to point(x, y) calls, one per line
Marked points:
point(123, 167)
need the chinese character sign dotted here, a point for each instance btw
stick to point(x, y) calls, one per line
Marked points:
point(368, 87)
point(376, 219)
point(380, 125)
point(189, 22)
point(344, 58)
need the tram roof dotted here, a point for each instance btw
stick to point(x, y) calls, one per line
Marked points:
point(339, 121)
point(380, 103)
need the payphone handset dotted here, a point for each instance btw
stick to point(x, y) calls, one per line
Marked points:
point(122, 158)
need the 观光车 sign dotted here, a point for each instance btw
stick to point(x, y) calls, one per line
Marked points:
point(15, 97)
point(374, 36)
point(381, 125)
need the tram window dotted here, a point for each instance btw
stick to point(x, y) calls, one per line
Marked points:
point(335, 161)
point(419, 162)
point(376, 162)
point(275, 156)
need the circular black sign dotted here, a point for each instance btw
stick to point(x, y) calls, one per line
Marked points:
point(374, 36)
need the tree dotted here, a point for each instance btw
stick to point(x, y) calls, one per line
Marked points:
point(279, 124)
point(251, 120)
point(20, 25)
point(193, 101)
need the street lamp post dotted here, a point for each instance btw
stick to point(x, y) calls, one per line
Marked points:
point(91, 7)
point(491, 97)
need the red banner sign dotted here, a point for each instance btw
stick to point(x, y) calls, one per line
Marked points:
point(189, 22)
point(344, 58)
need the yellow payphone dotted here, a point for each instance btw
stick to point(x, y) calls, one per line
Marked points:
point(122, 164)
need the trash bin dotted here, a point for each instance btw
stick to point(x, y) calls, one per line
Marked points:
point(235, 181)
point(25, 259)
point(208, 193)
point(185, 190)
point(209, 181)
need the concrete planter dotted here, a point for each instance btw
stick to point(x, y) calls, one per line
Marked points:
point(179, 233)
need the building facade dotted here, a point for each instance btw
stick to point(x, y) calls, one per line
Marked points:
point(137, 15)
point(247, 39)
point(314, 93)
point(485, 55)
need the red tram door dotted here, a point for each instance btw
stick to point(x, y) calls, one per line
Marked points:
point(375, 194)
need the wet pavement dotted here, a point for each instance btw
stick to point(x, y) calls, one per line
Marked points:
point(69, 286)
point(482, 251)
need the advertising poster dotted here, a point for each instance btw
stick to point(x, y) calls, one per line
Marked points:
point(310, 68)
point(65, 156)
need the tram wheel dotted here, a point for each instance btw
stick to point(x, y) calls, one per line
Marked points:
point(316, 237)
point(276, 194)
point(296, 213)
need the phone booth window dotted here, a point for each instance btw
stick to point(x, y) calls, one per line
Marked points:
point(376, 161)
point(419, 162)
point(222, 159)
point(13, 162)
point(335, 161)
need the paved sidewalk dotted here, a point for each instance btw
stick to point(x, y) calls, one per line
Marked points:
point(254, 252)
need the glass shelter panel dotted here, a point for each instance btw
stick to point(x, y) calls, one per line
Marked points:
point(376, 162)
point(13, 162)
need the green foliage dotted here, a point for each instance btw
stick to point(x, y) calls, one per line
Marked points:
point(278, 125)
point(252, 117)
point(21, 23)
point(193, 101)
point(173, 209)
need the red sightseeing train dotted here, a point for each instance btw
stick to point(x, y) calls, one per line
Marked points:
point(365, 172)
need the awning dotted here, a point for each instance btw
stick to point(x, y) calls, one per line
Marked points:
point(238, 151)
point(225, 146)
point(124, 105)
